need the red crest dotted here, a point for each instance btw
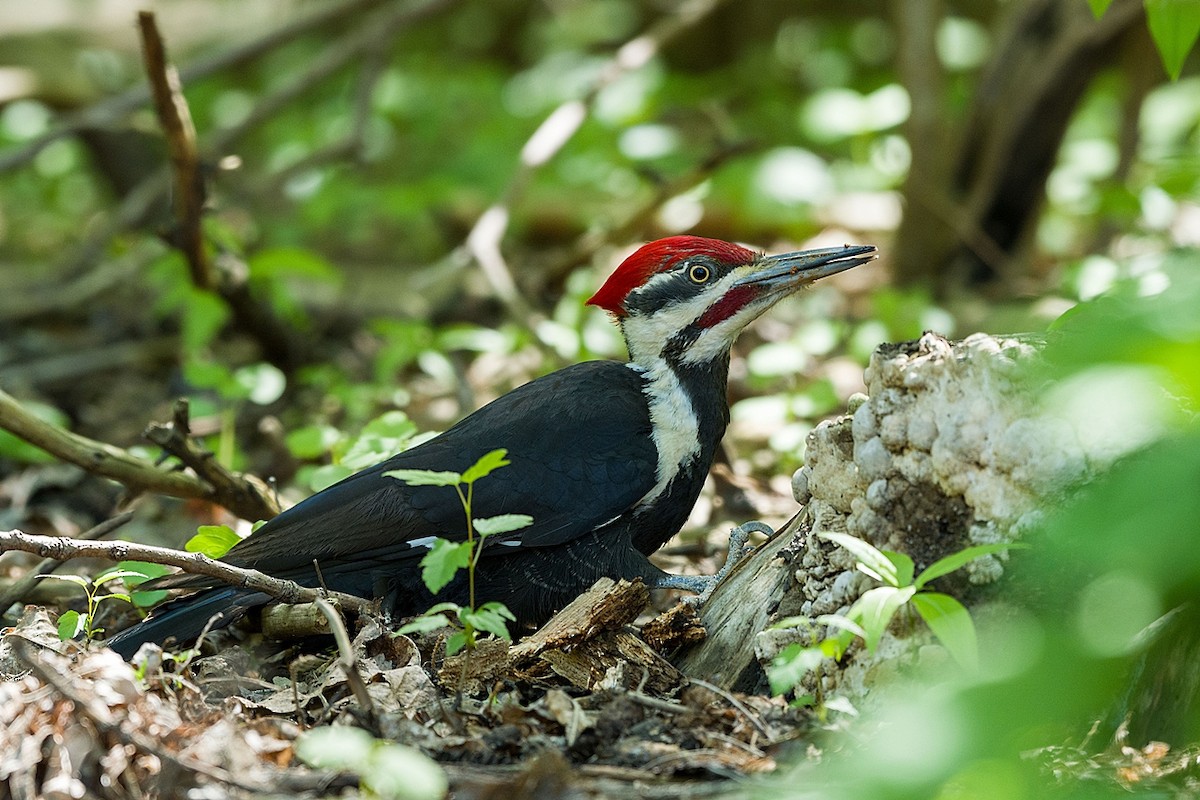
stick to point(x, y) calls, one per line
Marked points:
point(658, 256)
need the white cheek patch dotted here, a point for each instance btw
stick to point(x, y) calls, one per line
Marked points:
point(648, 334)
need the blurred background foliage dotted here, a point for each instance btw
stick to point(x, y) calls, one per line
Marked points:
point(1016, 162)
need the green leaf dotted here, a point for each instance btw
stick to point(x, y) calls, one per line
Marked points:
point(791, 665)
point(904, 567)
point(213, 541)
point(490, 618)
point(951, 624)
point(311, 441)
point(262, 383)
point(875, 609)
point(871, 560)
point(336, 747)
point(456, 642)
point(78, 580)
point(502, 523)
point(425, 477)
point(402, 773)
point(1099, 7)
point(1174, 25)
point(843, 624)
point(204, 314)
point(442, 562)
point(388, 434)
point(488, 463)
point(327, 475)
point(425, 623)
point(70, 625)
point(944, 566)
point(144, 599)
point(116, 572)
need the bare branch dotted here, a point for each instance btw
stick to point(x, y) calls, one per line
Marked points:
point(176, 120)
point(248, 492)
point(20, 589)
point(284, 591)
point(136, 474)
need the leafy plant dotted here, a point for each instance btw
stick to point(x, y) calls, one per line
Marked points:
point(72, 623)
point(385, 769)
point(872, 612)
point(446, 558)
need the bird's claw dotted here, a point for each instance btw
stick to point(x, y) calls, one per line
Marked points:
point(704, 585)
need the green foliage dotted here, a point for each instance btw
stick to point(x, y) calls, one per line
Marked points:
point(1174, 26)
point(872, 613)
point(1089, 621)
point(137, 573)
point(390, 433)
point(73, 623)
point(445, 558)
point(213, 541)
point(386, 770)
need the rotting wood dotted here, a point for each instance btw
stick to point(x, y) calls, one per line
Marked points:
point(614, 660)
point(606, 606)
point(742, 605)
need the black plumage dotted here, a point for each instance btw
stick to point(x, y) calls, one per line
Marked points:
point(607, 458)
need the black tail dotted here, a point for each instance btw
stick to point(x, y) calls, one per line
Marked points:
point(183, 620)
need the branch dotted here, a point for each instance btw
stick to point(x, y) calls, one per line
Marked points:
point(176, 120)
point(284, 591)
point(135, 474)
point(20, 589)
point(247, 492)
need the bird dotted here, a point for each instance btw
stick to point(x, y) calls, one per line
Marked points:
point(608, 457)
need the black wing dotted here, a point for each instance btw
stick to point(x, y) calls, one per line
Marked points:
point(581, 451)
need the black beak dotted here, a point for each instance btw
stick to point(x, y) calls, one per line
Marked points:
point(790, 271)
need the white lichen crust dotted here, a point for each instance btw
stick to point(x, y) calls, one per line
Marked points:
point(949, 449)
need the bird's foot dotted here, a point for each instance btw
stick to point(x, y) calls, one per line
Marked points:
point(703, 585)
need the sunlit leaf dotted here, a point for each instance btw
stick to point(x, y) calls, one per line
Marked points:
point(425, 477)
point(443, 560)
point(871, 560)
point(1174, 25)
point(944, 566)
point(487, 463)
point(876, 607)
point(503, 523)
point(71, 624)
point(951, 624)
point(213, 541)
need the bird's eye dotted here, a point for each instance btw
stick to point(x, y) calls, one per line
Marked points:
point(698, 273)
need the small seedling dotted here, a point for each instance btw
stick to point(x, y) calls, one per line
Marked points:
point(72, 623)
point(445, 558)
point(872, 612)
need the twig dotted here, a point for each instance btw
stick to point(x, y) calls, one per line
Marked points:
point(738, 704)
point(19, 589)
point(97, 457)
point(346, 657)
point(176, 120)
point(135, 474)
point(284, 591)
point(105, 721)
point(247, 491)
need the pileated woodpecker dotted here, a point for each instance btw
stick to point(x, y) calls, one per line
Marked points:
point(607, 457)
